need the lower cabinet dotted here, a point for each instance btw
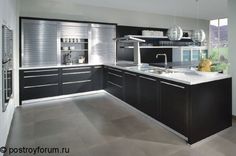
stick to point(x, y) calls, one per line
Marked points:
point(40, 83)
point(97, 77)
point(114, 82)
point(40, 92)
point(174, 106)
point(148, 96)
point(76, 87)
point(76, 80)
point(131, 89)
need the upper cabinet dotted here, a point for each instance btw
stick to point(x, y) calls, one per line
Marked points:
point(188, 54)
point(103, 45)
point(39, 43)
point(46, 42)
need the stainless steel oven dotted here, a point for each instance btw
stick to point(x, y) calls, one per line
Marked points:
point(7, 56)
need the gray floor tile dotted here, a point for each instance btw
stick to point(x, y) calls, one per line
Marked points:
point(101, 125)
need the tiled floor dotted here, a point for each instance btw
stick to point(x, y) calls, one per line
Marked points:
point(100, 125)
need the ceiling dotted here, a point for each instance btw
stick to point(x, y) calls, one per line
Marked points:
point(208, 9)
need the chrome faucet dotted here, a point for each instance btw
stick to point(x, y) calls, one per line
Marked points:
point(165, 58)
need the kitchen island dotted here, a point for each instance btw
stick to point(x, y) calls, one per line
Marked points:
point(193, 105)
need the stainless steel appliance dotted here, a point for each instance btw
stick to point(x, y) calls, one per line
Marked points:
point(7, 56)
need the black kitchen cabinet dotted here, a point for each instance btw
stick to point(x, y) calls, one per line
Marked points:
point(131, 89)
point(39, 83)
point(174, 106)
point(49, 82)
point(148, 96)
point(76, 80)
point(97, 77)
point(114, 82)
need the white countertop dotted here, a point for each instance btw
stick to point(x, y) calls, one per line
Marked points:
point(185, 76)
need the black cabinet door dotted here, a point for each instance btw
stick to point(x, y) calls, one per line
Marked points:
point(148, 96)
point(114, 82)
point(131, 89)
point(97, 77)
point(174, 106)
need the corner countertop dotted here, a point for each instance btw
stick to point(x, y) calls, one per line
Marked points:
point(182, 75)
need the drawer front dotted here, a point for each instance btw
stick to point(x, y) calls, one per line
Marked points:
point(40, 72)
point(115, 78)
point(40, 92)
point(40, 80)
point(76, 76)
point(115, 90)
point(76, 87)
point(76, 69)
point(115, 71)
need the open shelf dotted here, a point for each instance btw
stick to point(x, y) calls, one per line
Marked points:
point(76, 50)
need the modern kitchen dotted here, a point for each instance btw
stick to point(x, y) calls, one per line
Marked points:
point(118, 78)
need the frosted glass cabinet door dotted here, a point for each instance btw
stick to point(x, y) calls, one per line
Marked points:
point(186, 55)
point(195, 55)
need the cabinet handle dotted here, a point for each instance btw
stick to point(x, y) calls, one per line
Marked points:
point(38, 86)
point(98, 67)
point(130, 74)
point(74, 82)
point(114, 84)
point(86, 72)
point(114, 74)
point(76, 68)
point(115, 70)
point(147, 78)
point(36, 71)
point(40, 76)
point(174, 85)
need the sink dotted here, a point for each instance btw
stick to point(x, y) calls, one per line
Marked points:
point(152, 69)
point(161, 71)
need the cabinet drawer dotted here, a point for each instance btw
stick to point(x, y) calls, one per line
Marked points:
point(114, 89)
point(114, 78)
point(40, 72)
point(40, 91)
point(76, 87)
point(40, 80)
point(76, 69)
point(115, 71)
point(76, 76)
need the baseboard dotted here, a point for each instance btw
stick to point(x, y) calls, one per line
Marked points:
point(29, 102)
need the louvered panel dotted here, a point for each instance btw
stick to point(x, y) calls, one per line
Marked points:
point(103, 46)
point(74, 31)
point(39, 46)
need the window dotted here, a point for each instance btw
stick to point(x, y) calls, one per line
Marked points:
point(219, 37)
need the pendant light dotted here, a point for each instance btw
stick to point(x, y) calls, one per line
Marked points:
point(198, 35)
point(175, 33)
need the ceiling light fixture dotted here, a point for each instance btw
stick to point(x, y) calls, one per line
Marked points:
point(175, 33)
point(198, 35)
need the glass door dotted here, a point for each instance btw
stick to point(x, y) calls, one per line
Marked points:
point(186, 55)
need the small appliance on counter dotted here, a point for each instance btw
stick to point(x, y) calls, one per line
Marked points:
point(81, 59)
